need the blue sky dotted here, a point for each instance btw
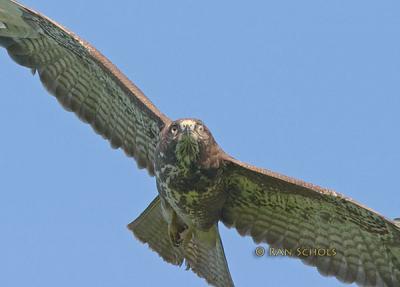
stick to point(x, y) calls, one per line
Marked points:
point(308, 89)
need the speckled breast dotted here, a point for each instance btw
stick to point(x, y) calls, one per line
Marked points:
point(195, 195)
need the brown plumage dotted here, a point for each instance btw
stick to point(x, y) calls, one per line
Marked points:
point(200, 185)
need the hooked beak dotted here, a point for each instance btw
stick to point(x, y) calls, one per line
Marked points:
point(187, 148)
point(188, 134)
point(187, 131)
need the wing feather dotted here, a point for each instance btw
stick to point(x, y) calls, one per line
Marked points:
point(288, 213)
point(83, 81)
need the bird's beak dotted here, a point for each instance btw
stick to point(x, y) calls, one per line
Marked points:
point(188, 136)
point(187, 148)
point(187, 131)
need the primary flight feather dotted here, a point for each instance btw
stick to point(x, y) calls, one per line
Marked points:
point(198, 183)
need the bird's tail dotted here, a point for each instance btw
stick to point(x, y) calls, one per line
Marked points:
point(204, 254)
point(201, 250)
point(151, 228)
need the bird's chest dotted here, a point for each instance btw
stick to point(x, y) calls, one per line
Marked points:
point(195, 195)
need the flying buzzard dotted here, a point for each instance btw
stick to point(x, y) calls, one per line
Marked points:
point(198, 183)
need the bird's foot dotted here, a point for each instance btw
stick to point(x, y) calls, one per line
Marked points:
point(176, 231)
point(175, 237)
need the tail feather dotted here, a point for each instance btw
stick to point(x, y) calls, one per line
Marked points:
point(205, 255)
point(202, 250)
point(151, 228)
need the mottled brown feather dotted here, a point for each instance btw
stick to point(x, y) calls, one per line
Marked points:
point(83, 81)
point(289, 213)
point(208, 261)
point(151, 228)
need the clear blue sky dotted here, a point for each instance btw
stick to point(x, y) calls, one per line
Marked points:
point(307, 88)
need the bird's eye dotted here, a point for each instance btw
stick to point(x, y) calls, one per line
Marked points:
point(174, 130)
point(200, 128)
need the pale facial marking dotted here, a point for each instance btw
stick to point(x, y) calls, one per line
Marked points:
point(187, 123)
point(2, 25)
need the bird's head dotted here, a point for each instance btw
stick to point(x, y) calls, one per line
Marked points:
point(188, 141)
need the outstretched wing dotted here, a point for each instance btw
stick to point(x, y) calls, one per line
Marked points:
point(83, 81)
point(291, 214)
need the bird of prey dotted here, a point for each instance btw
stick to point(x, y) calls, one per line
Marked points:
point(199, 184)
